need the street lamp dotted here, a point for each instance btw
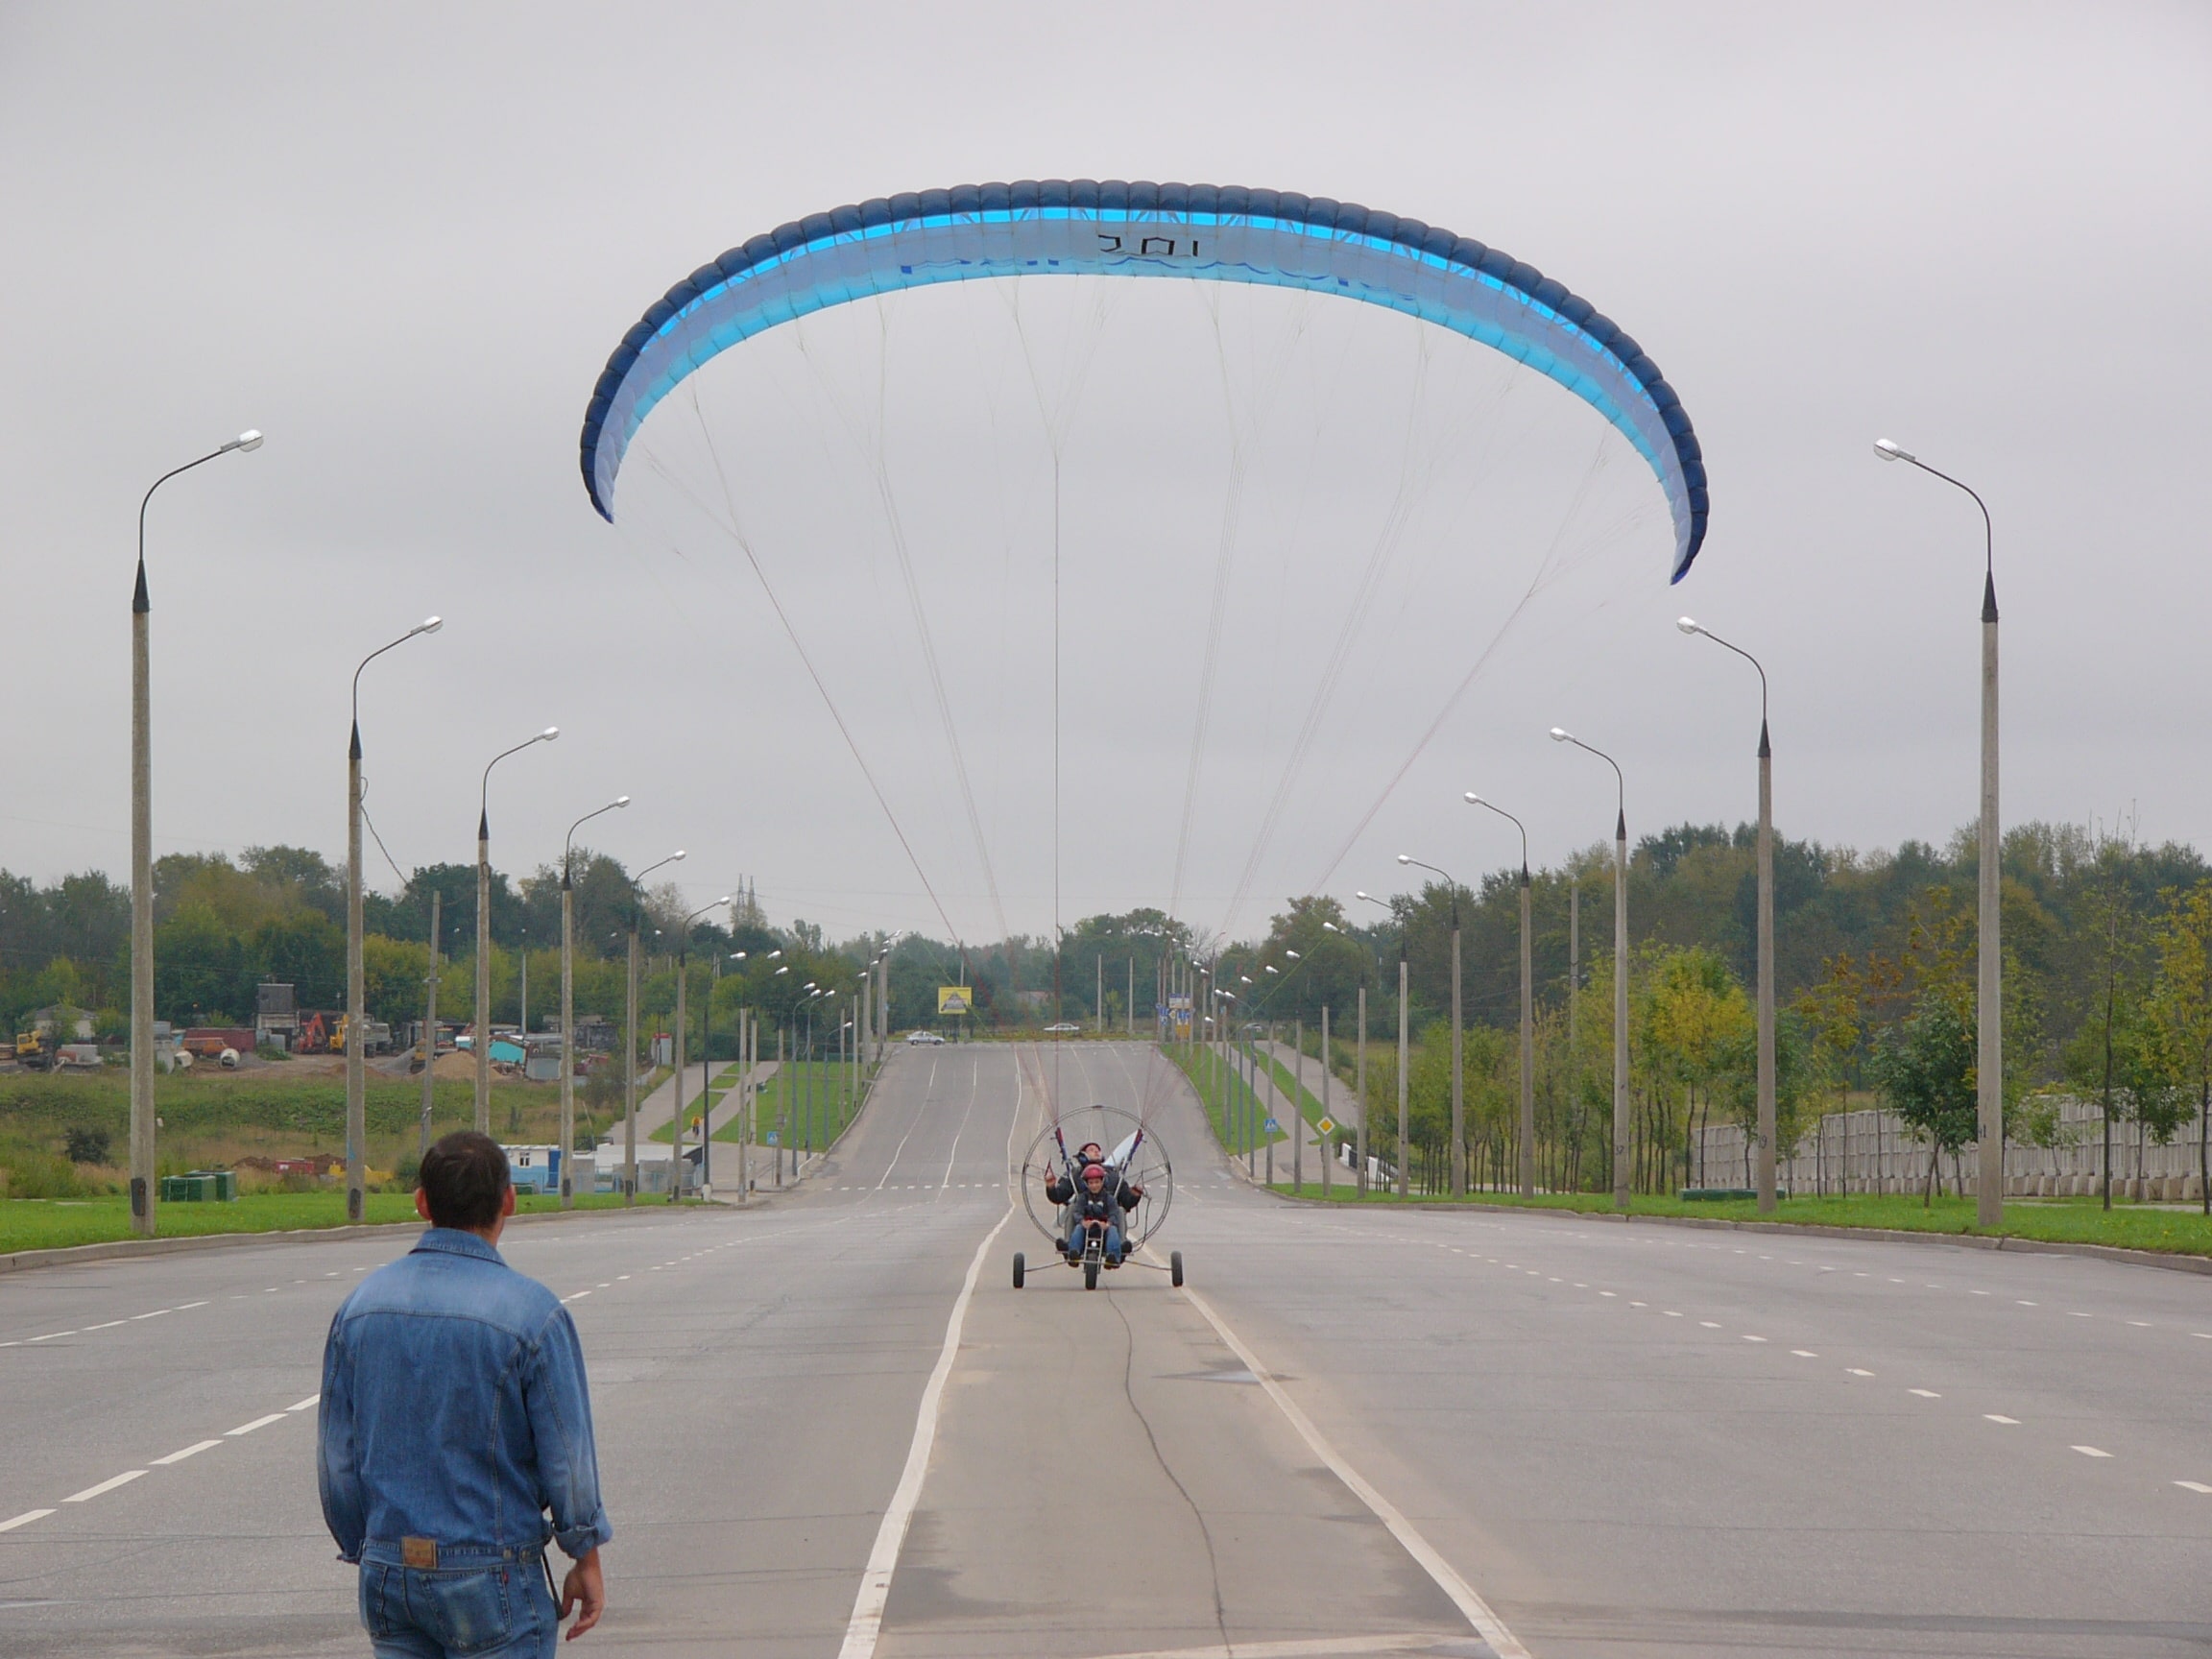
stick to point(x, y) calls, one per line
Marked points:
point(484, 929)
point(1527, 1158)
point(142, 1125)
point(630, 1038)
point(568, 997)
point(1619, 969)
point(1988, 1010)
point(1458, 1075)
point(356, 1086)
point(1404, 1180)
point(676, 1125)
point(1767, 1129)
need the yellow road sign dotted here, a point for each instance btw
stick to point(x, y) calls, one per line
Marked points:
point(956, 1000)
point(1327, 1125)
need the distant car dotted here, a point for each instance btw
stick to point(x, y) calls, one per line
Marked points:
point(1061, 1027)
point(922, 1037)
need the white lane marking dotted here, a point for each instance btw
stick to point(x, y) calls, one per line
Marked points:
point(578, 1297)
point(867, 1621)
point(1669, 1315)
point(108, 1326)
point(2092, 1452)
point(1854, 1371)
point(108, 1485)
point(1476, 1611)
point(1754, 1339)
point(50, 1335)
point(2008, 1422)
point(2191, 1485)
point(187, 1307)
point(2140, 1323)
point(619, 1277)
point(1710, 1323)
point(1804, 1353)
point(1925, 1393)
point(1309, 1647)
point(2028, 1303)
point(155, 1315)
point(30, 1515)
point(258, 1423)
point(1976, 1292)
point(192, 1451)
point(1608, 1292)
point(302, 1405)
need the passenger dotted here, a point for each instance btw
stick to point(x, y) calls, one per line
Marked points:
point(1100, 1208)
point(1061, 1189)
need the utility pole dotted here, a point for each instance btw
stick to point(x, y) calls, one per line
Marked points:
point(1298, 1113)
point(1360, 1147)
point(630, 1075)
point(429, 1029)
point(1328, 1136)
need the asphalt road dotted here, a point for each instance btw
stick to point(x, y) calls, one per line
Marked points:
point(1363, 1432)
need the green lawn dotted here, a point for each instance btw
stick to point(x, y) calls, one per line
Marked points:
point(2068, 1221)
point(43, 1224)
point(785, 1096)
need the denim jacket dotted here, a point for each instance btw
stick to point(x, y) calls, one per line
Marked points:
point(454, 1410)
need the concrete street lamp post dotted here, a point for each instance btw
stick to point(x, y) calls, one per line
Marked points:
point(1527, 1158)
point(1767, 1130)
point(676, 1123)
point(630, 1039)
point(142, 1186)
point(1621, 1120)
point(1988, 1006)
point(1459, 1043)
point(568, 997)
point(1404, 1180)
point(356, 1013)
point(482, 1041)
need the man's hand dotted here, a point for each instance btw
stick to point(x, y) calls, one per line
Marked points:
point(586, 1589)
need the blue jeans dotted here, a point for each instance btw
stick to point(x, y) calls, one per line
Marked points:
point(1076, 1241)
point(501, 1610)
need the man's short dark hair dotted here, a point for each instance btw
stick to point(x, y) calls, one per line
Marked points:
point(464, 1178)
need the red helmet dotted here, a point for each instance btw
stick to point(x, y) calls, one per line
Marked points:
point(1095, 1170)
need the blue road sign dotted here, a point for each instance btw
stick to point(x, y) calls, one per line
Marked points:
point(771, 1137)
point(1273, 1127)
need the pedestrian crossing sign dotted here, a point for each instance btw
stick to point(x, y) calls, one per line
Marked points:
point(1273, 1127)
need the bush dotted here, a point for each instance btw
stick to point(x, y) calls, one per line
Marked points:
point(85, 1144)
point(41, 1175)
point(406, 1172)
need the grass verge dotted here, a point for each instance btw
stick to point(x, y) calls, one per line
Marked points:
point(2056, 1221)
point(52, 1224)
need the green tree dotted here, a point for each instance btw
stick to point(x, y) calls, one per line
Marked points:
point(2181, 1007)
point(1925, 1068)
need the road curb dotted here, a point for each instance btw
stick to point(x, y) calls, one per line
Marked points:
point(70, 1254)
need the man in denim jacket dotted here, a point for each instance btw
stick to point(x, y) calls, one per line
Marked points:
point(453, 1416)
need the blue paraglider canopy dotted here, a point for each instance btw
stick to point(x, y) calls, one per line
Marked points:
point(1223, 233)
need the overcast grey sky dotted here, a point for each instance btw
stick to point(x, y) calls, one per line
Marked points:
point(403, 240)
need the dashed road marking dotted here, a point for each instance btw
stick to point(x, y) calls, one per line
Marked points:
point(108, 1485)
point(30, 1515)
point(192, 1451)
point(1995, 1417)
point(258, 1423)
point(2092, 1452)
point(1925, 1393)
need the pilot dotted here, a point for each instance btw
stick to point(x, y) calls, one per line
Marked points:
point(1103, 1204)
